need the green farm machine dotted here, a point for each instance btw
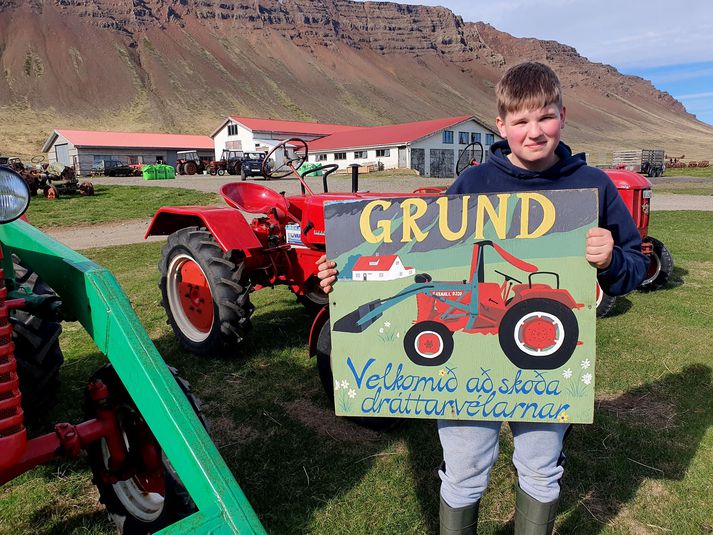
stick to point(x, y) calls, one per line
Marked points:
point(153, 463)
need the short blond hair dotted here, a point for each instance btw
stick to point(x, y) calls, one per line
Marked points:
point(527, 86)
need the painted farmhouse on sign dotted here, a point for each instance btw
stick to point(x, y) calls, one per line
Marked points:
point(380, 268)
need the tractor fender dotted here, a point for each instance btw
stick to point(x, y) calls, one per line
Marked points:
point(544, 292)
point(319, 321)
point(227, 225)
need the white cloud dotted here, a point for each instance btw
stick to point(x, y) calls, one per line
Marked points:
point(692, 96)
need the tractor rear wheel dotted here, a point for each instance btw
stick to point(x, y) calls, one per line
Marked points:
point(324, 367)
point(605, 303)
point(428, 343)
point(538, 334)
point(660, 266)
point(154, 496)
point(190, 168)
point(206, 298)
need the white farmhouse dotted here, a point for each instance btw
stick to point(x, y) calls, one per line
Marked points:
point(380, 268)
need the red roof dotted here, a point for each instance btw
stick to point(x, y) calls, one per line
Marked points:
point(384, 135)
point(375, 263)
point(294, 127)
point(134, 140)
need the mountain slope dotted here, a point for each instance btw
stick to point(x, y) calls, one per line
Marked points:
point(183, 65)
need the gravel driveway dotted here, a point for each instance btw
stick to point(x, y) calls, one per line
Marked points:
point(126, 232)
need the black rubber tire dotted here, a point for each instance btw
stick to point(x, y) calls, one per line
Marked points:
point(324, 367)
point(523, 360)
point(230, 293)
point(421, 327)
point(190, 168)
point(221, 172)
point(606, 305)
point(314, 298)
point(177, 503)
point(179, 169)
point(660, 269)
point(243, 176)
point(39, 359)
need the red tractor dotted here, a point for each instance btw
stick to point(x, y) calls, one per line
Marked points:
point(215, 258)
point(635, 189)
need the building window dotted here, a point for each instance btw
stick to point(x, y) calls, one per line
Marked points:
point(359, 154)
point(340, 155)
point(99, 157)
point(133, 160)
point(232, 129)
point(475, 137)
point(382, 153)
point(489, 139)
point(320, 158)
point(463, 138)
point(448, 137)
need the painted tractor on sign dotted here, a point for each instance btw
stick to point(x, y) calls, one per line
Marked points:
point(215, 258)
point(635, 190)
point(151, 458)
point(535, 323)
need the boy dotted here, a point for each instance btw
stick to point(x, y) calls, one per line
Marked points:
point(531, 157)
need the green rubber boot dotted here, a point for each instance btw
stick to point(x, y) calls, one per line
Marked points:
point(533, 517)
point(460, 520)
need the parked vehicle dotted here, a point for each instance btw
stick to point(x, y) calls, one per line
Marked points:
point(138, 412)
point(646, 161)
point(111, 168)
point(229, 163)
point(635, 190)
point(251, 164)
point(189, 163)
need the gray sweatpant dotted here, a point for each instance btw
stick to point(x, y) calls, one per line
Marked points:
point(471, 448)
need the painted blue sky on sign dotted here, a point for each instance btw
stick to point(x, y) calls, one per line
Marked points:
point(669, 44)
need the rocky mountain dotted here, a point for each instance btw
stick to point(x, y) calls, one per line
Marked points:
point(183, 65)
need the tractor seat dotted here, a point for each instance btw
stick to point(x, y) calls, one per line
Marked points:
point(254, 198)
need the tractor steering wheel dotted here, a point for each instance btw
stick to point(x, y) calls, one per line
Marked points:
point(330, 168)
point(288, 163)
point(507, 277)
point(38, 159)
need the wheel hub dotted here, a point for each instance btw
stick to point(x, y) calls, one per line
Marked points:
point(539, 334)
point(429, 344)
point(190, 297)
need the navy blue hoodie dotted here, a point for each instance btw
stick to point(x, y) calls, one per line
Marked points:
point(499, 175)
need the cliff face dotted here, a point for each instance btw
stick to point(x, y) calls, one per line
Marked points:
point(183, 65)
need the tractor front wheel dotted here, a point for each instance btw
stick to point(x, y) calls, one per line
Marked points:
point(205, 296)
point(428, 343)
point(605, 303)
point(190, 168)
point(324, 367)
point(148, 494)
point(538, 334)
point(660, 266)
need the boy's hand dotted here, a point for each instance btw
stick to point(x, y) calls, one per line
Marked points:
point(327, 273)
point(600, 245)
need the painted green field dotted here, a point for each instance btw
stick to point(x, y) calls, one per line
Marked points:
point(644, 466)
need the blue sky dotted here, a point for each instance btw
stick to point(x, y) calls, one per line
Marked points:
point(670, 44)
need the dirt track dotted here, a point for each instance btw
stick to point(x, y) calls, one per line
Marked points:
point(126, 232)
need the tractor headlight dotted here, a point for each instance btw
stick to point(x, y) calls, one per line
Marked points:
point(14, 195)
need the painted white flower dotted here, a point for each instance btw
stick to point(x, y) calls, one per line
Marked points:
point(586, 364)
point(336, 384)
point(381, 330)
point(345, 385)
point(398, 334)
point(587, 378)
point(567, 373)
point(352, 393)
point(387, 324)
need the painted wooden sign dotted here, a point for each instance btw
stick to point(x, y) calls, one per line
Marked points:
point(476, 307)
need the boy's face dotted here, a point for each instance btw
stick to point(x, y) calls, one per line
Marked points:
point(533, 136)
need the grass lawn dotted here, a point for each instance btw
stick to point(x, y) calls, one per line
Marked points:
point(682, 186)
point(644, 466)
point(111, 203)
point(704, 172)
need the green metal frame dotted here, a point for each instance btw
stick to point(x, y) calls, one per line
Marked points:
point(91, 295)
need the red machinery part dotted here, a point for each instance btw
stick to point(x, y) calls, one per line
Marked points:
point(13, 436)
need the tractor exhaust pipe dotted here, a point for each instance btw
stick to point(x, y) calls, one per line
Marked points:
point(355, 177)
